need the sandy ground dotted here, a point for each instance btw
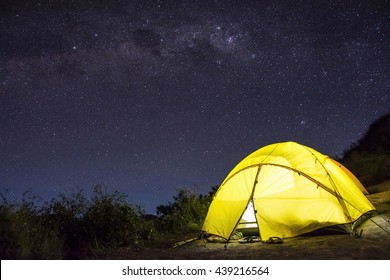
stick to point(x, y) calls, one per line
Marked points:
point(374, 243)
point(335, 247)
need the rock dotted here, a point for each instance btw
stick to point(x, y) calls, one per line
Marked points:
point(377, 227)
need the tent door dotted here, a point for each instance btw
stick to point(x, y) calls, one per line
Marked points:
point(248, 224)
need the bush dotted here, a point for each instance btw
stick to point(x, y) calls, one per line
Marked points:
point(76, 227)
point(65, 215)
point(9, 245)
point(110, 221)
point(186, 213)
point(24, 234)
point(71, 227)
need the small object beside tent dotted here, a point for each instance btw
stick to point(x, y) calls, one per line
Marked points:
point(290, 189)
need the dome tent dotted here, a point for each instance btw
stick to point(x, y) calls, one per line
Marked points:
point(294, 190)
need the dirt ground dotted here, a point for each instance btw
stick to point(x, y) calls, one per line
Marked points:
point(335, 247)
point(373, 244)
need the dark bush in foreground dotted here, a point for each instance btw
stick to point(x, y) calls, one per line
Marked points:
point(76, 227)
point(110, 221)
point(187, 212)
point(25, 230)
point(70, 227)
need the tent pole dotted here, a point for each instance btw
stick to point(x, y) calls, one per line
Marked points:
point(250, 198)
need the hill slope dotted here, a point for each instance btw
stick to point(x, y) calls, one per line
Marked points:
point(369, 158)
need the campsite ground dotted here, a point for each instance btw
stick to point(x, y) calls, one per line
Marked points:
point(374, 243)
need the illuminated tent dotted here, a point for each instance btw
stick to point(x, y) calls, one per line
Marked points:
point(291, 189)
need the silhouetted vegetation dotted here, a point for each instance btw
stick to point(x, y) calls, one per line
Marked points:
point(187, 212)
point(69, 227)
point(369, 158)
point(76, 227)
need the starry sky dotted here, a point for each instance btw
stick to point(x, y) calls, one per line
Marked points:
point(147, 96)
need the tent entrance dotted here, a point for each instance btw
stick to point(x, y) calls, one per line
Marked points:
point(248, 223)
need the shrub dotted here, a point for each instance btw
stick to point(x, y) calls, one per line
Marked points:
point(186, 213)
point(65, 215)
point(24, 232)
point(110, 221)
point(9, 245)
point(74, 226)
point(69, 226)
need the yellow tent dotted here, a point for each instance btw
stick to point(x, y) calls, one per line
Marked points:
point(293, 189)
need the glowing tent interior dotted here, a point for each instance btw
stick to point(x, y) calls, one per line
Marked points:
point(287, 189)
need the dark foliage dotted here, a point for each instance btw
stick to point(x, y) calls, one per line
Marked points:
point(187, 212)
point(76, 227)
point(69, 227)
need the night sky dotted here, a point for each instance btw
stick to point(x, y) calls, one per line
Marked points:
point(145, 97)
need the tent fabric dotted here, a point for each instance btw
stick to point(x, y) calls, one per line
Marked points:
point(294, 190)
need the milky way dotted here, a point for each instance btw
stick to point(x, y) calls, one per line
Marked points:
point(148, 96)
